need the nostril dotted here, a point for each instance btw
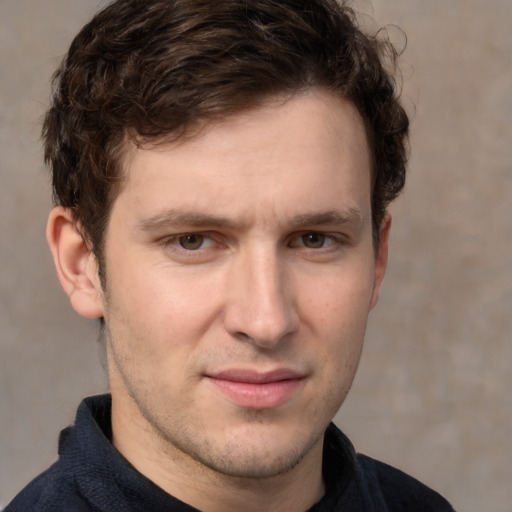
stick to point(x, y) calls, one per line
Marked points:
point(265, 332)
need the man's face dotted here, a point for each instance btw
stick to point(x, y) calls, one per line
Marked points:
point(239, 277)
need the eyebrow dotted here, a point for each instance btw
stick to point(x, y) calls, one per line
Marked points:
point(330, 217)
point(201, 220)
point(187, 218)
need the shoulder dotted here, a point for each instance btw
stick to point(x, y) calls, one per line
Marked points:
point(400, 492)
point(49, 492)
point(54, 490)
point(358, 482)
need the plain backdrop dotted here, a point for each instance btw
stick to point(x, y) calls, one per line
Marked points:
point(432, 395)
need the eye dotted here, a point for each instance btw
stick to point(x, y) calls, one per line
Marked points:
point(192, 248)
point(193, 242)
point(315, 240)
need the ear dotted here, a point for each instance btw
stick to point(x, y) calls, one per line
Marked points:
point(76, 265)
point(381, 258)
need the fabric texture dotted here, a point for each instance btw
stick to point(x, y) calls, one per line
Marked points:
point(92, 476)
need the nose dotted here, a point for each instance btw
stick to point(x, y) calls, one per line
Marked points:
point(260, 307)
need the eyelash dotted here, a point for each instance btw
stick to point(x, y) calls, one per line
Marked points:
point(298, 240)
point(174, 242)
point(324, 238)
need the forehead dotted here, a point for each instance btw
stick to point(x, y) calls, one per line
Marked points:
point(305, 109)
point(286, 150)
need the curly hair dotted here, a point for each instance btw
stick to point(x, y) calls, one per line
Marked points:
point(150, 69)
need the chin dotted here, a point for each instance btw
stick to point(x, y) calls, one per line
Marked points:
point(254, 453)
point(256, 466)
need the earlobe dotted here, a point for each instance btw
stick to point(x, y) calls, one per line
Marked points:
point(381, 258)
point(75, 263)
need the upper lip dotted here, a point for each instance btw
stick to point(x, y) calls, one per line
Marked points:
point(256, 377)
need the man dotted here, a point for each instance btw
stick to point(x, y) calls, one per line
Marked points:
point(221, 172)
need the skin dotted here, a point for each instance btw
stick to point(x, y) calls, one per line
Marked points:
point(243, 253)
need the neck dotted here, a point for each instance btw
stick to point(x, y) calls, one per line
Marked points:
point(188, 480)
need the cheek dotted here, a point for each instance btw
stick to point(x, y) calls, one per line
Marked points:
point(339, 301)
point(155, 309)
point(337, 314)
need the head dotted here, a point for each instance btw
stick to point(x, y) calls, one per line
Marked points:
point(152, 71)
point(227, 166)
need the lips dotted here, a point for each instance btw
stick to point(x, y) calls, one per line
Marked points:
point(256, 390)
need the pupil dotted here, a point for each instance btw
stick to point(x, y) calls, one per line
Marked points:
point(191, 242)
point(314, 240)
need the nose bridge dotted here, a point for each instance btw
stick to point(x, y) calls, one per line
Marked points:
point(261, 306)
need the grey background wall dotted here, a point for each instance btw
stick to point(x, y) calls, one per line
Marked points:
point(433, 392)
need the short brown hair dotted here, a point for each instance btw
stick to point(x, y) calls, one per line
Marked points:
point(152, 68)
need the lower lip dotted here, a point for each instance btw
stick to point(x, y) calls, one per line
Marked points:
point(257, 396)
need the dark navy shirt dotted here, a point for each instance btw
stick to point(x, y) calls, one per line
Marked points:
point(92, 476)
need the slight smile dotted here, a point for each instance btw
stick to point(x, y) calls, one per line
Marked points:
point(255, 390)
